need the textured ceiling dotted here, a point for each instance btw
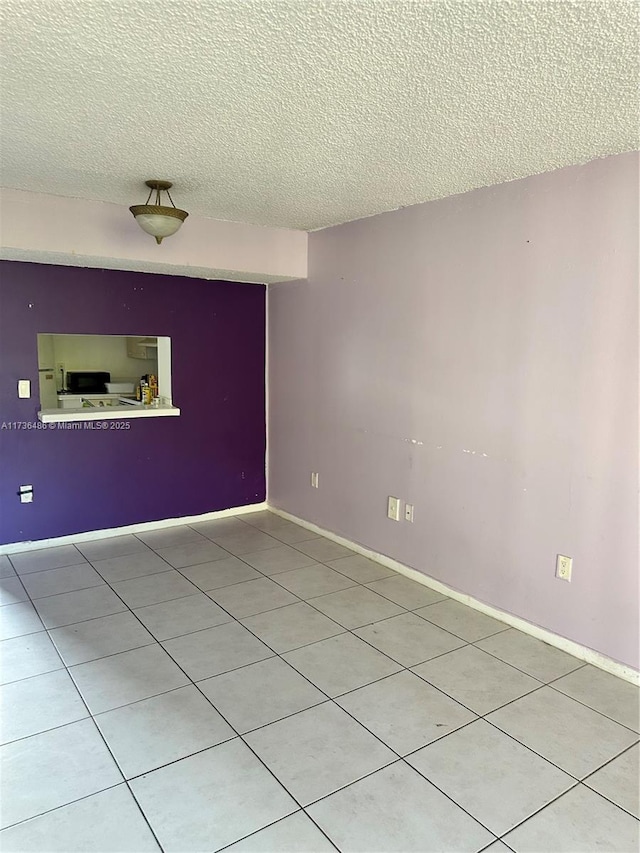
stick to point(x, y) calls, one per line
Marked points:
point(306, 113)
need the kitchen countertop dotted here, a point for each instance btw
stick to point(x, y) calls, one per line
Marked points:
point(120, 413)
point(71, 395)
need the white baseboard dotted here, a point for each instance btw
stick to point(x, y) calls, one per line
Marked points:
point(581, 652)
point(91, 535)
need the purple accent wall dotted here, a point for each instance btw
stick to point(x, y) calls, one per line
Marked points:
point(478, 357)
point(211, 457)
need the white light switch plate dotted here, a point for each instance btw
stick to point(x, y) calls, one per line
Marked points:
point(24, 389)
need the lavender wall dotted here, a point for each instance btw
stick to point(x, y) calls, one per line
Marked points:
point(209, 458)
point(478, 357)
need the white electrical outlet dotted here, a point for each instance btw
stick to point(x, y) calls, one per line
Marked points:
point(24, 389)
point(26, 494)
point(393, 508)
point(408, 512)
point(563, 567)
point(314, 479)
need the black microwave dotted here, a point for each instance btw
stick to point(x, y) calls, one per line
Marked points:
point(87, 381)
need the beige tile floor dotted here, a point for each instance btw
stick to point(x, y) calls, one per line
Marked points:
point(245, 685)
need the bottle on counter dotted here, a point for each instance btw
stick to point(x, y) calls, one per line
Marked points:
point(145, 390)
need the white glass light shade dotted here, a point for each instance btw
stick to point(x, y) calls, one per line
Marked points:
point(157, 220)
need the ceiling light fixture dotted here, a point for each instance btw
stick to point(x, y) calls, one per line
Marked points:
point(157, 219)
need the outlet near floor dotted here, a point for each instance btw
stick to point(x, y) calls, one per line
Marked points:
point(563, 567)
point(393, 508)
point(314, 479)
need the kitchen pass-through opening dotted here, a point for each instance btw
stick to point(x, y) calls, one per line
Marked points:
point(115, 374)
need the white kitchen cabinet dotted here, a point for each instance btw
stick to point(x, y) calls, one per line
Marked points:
point(145, 348)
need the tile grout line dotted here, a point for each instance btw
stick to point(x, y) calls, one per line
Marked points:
point(64, 805)
point(589, 707)
point(28, 601)
point(523, 671)
point(541, 809)
point(548, 760)
point(301, 810)
point(626, 749)
point(56, 594)
point(583, 782)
